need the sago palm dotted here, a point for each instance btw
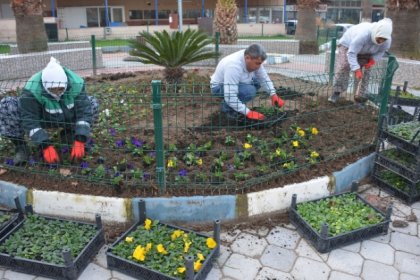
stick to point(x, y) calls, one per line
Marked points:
point(173, 50)
point(225, 21)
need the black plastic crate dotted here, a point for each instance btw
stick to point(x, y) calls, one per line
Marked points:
point(143, 272)
point(398, 167)
point(402, 144)
point(13, 220)
point(324, 243)
point(414, 102)
point(410, 196)
point(71, 268)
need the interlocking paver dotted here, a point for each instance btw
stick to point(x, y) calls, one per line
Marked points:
point(283, 237)
point(95, 272)
point(377, 252)
point(121, 276)
point(400, 209)
point(404, 276)
point(12, 275)
point(100, 258)
point(269, 273)
point(278, 258)
point(215, 274)
point(408, 263)
point(229, 236)
point(345, 261)
point(307, 269)
point(248, 245)
point(225, 252)
point(404, 242)
point(355, 247)
point(337, 275)
point(305, 250)
point(411, 229)
point(384, 238)
point(241, 267)
point(375, 270)
point(45, 278)
point(416, 206)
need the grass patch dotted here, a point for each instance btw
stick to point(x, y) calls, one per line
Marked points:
point(4, 49)
point(114, 42)
point(275, 37)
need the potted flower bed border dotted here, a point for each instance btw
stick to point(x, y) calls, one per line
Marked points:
point(149, 260)
point(342, 230)
point(39, 256)
point(10, 219)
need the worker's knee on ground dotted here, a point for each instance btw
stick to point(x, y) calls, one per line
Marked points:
point(247, 92)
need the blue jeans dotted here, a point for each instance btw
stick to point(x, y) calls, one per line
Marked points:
point(246, 92)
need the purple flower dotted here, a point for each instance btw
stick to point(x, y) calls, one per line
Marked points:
point(146, 176)
point(136, 142)
point(84, 165)
point(32, 162)
point(117, 174)
point(152, 154)
point(130, 166)
point(119, 143)
point(100, 160)
point(112, 131)
point(231, 167)
point(183, 172)
point(9, 161)
point(64, 150)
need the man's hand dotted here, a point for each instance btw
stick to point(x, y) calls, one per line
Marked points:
point(359, 74)
point(50, 155)
point(253, 115)
point(78, 150)
point(276, 100)
point(370, 63)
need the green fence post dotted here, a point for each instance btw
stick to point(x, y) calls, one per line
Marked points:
point(147, 27)
point(262, 29)
point(67, 34)
point(317, 34)
point(332, 59)
point(157, 120)
point(390, 70)
point(93, 44)
point(217, 46)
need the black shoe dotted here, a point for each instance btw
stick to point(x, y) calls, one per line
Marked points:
point(334, 98)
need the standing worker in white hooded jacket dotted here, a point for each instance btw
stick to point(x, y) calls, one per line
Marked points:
point(361, 47)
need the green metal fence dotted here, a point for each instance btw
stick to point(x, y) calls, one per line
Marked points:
point(174, 138)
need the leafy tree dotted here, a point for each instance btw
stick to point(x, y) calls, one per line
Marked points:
point(173, 50)
point(405, 17)
point(225, 21)
point(30, 29)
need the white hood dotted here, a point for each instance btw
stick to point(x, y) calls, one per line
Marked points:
point(382, 28)
point(53, 75)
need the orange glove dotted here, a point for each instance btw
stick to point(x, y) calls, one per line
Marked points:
point(276, 100)
point(359, 74)
point(370, 63)
point(78, 150)
point(50, 155)
point(253, 115)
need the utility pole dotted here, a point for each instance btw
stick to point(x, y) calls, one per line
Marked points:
point(180, 15)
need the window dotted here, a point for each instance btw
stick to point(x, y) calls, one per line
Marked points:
point(96, 16)
point(136, 14)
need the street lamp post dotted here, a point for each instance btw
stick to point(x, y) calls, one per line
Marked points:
point(180, 15)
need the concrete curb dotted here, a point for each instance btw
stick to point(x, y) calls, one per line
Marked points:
point(184, 209)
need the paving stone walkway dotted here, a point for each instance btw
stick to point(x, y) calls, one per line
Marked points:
point(281, 253)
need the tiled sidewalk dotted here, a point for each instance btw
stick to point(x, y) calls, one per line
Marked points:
point(280, 253)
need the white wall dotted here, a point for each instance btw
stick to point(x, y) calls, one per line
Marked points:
point(72, 17)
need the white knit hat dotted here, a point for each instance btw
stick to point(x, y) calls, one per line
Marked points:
point(53, 75)
point(382, 29)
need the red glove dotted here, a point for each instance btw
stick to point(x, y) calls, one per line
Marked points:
point(276, 100)
point(78, 150)
point(50, 155)
point(253, 115)
point(370, 63)
point(359, 74)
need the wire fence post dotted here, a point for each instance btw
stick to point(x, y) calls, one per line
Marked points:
point(332, 59)
point(391, 67)
point(157, 120)
point(93, 44)
point(216, 45)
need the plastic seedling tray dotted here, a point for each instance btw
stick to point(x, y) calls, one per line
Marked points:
point(139, 270)
point(64, 266)
point(323, 240)
point(10, 219)
point(398, 167)
point(404, 101)
point(405, 145)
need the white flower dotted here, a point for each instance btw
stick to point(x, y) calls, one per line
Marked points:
point(106, 111)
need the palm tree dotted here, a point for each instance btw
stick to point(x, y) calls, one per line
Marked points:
point(405, 17)
point(30, 29)
point(306, 28)
point(172, 51)
point(366, 10)
point(225, 21)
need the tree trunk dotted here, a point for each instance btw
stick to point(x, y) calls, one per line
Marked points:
point(306, 30)
point(406, 34)
point(366, 10)
point(225, 21)
point(30, 29)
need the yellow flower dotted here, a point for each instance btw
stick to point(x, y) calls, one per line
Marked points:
point(314, 131)
point(301, 132)
point(314, 154)
point(177, 233)
point(171, 163)
point(295, 144)
point(247, 146)
point(211, 243)
point(139, 253)
point(200, 256)
point(197, 266)
point(199, 162)
point(187, 246)
point(161, 249)
point(278, 152)
point(148, 247)
point(147, 224)
point(181, 269)
point(129, 239)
